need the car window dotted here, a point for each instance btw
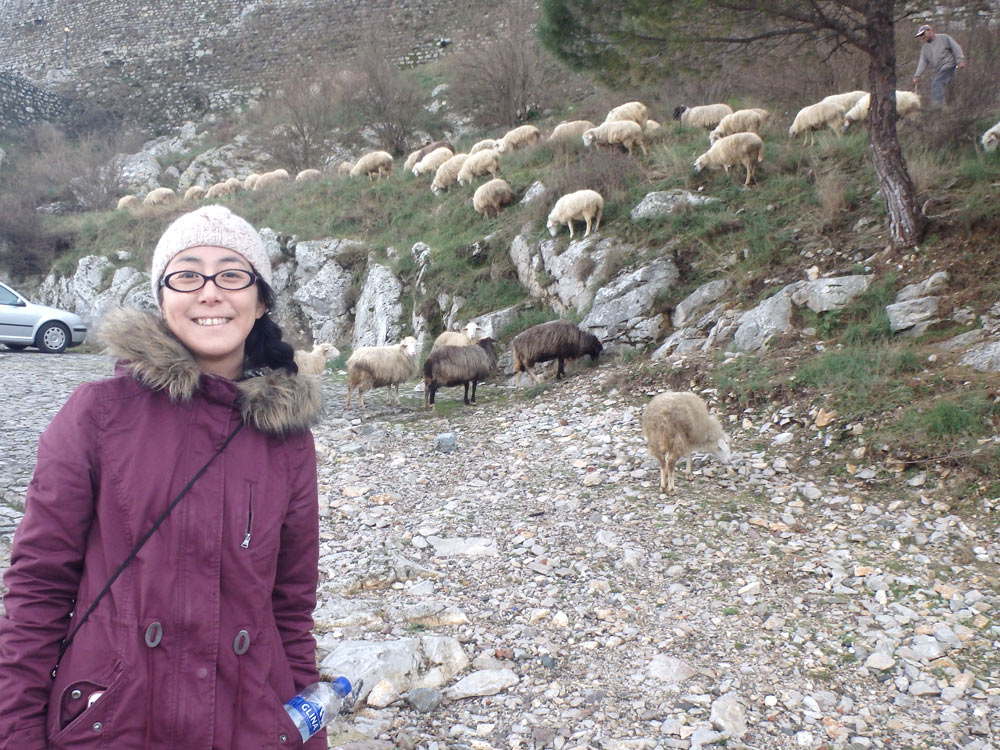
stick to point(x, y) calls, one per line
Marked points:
point(8, 297)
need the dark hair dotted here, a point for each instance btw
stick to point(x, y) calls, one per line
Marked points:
point(264, 347)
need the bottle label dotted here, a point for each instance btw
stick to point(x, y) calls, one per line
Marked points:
point(311, 712)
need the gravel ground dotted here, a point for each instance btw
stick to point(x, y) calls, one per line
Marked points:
point(779, 602)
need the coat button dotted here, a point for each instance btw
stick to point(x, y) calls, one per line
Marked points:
point(154, 634)
point(282, 737)
point(75, 695)
point(241, 643)
point(98, 726)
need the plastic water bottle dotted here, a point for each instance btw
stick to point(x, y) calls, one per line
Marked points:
point(315, 707)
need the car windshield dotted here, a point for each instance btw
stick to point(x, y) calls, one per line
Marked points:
point(7, 297)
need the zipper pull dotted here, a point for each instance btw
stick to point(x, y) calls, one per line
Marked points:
point(246, 541)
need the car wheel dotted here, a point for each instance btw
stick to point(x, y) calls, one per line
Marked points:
point(52, 338)
point(16, 347)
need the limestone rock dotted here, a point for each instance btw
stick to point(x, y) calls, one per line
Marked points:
point(140, 173)
point(930, 286)
point(378, 312)
point(483, 682)
point(984, 358)
point(623, 310)
point(396, 661)
point(770, 318)
point(662, 203)
point(903, 315)
point(698, 301)
point(78, 292)
point(823, 295)
point(670, 669)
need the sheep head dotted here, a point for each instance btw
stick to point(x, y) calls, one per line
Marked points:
point(409, 345)
point(722, 450)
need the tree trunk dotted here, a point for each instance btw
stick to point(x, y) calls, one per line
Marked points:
point(906, 222)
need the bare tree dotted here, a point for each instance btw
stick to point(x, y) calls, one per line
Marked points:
point(299, 119)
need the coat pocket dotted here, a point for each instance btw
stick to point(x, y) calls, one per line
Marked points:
point(86, 711)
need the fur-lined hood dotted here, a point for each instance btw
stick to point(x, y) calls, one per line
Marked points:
point(275, 401)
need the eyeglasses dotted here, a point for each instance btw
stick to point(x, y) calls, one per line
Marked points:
point(230, 279)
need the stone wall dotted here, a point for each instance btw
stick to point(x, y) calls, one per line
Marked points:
point(21, 102)
point(171, 59)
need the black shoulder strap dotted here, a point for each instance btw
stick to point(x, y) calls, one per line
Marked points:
point(135, 550)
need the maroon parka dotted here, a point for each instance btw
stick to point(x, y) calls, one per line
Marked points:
point(208, 630)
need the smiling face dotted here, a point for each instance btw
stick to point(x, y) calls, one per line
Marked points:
point(212, 323)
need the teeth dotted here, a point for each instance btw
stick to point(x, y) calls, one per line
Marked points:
point(211, 321)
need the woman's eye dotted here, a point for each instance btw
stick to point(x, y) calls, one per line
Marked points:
point(186, 275)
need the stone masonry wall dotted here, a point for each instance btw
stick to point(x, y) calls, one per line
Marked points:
point(21, 102)
point(171, 59)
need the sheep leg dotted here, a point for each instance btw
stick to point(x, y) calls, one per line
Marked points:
point(587, 220)
point(570, 224)
point(465, 397)
point(597, 219)
point(642, 145)
point(474, 384)
point(749, 173)
point(561, 370)
point(348, 404)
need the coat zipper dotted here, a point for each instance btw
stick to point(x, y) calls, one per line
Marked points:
point(246, 539)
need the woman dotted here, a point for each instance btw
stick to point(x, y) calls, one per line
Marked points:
point(208, 629)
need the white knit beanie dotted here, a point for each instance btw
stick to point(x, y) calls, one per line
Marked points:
point(215, 226)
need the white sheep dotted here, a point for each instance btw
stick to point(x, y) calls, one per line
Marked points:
point(268, 179)
point(129, 202)
point(817, 116)
point(651, 126)
point(314, 362)
point(906, 102)
point(740, 148)
point(479, 164)
point(740, 121)
point(519, 137)
point(583, 205)
point(344, 168)
point(412, 158)
point(464, 337)
point(433, 160)
point(218, 190)
point(483, 145)
point(491, 196)
point(376, 163)
point(415, 156)
point(706, 116)
point(194, 193)
point(447, 173)
point(159, 197)
point(991, 138)
point(570, 131)
point(235, 184)
point(250, 181)
point(845, 100)
point(632, 111)
point(675, 424)
point(376, 366)
point(617, 133)
point(307, 175)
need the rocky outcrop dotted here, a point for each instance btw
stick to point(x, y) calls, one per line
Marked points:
point(624, 311)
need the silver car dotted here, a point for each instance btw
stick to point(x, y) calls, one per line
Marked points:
point(48, 329)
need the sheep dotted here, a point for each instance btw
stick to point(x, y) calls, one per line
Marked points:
point(817, 116)
point(991, 138)
point(447, 173)
point(458, 365)
point(274, 177)
point(740, 121)
point(570, 131)
point(491, 196)
point(620, 132)
point(129, 202)
point(376, 163)
point(479, 164)
point(433, 160)
point(218, 190)
point(235, 184)
point(374, 366)
point(651, 126)
point(465, 337)
point(632, 111)
point(740, 148)
point(483, 145)
point(194, 193)
point(159, 197)
point(846, 100)
point(307, 175)
point(583, 205)
point(344, 168)
point(250, 181)
point(557, 339)
point(519, 137)
point(414, 158)
point(314, 362)
point(675, 424)
point(906, 102)
point(706, 117)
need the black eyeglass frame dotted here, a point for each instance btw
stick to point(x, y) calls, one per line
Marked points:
point(165, 281)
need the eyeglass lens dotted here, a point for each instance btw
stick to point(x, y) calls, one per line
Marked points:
point(231, 279)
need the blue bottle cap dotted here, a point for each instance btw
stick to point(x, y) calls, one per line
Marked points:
point(341, 686)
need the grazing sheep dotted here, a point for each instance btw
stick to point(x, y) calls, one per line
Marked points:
point(583, 205)
point(268, 179)
point(412, 158)
point(740, 148)
point(570, 131)
point(194, 193)
point(557, 339)
point(817, 116)
point(376, 163)
point(706, 117)
point(447, 173)
point(651, 126)
point(740, 121)
point(483, 145)
point(250, 181)
point(519, 137)
point(376, 366)
point(623, 133)
point(846, 100)
point(129, 202)
point(491, 196)
point(676, 424)
point(632, 111)
point(314, 362)
point(991, 138)
point(433, 160)
point(235, 184)
point(906, 102)
point(218, 190)
point(344, 168)
point(465, 337)
point(159, 197)
point(479, 164)
point(415, 156)
point(308, 174)
point(458, 365)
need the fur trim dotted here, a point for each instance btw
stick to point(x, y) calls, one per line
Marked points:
point(274, 401)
